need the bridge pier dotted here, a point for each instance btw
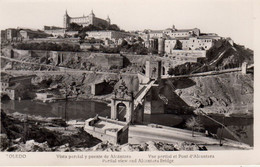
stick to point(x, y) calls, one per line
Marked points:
point(152, 103)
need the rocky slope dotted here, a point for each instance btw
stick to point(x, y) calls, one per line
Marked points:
point(228, 94)
point(28, 133)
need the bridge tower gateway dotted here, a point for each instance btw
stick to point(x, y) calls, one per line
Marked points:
point(122, 104)
point(153, 70)
point(129, 108)
point(153, 104)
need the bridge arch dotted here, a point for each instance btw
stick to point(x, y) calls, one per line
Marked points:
point(5, 97)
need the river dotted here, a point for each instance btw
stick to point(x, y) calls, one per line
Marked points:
point(82, 110)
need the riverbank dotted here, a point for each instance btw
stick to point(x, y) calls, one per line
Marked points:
point(22, 132)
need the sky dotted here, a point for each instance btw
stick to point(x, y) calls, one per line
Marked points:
point(227, 18)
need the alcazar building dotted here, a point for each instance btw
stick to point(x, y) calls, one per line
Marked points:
point(85, 20)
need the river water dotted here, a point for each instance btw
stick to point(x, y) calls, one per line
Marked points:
point(82, 110)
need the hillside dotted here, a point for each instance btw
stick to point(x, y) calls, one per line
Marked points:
point(228, 94)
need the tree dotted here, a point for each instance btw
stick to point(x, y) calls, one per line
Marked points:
point(194, 124)
point(74, 27)
point(82, 35)
point(113, 27)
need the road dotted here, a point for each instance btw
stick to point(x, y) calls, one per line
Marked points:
point(142, 133)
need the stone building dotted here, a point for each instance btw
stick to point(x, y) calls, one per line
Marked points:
point(85, 20)
point(30, 34)
point(192, 43)
point(15, 87)
point(11, 34)
point(54, 31)
point(174, 33)
point(3, 35)
point(107, 34)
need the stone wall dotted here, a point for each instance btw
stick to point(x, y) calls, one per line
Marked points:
point(191, 53)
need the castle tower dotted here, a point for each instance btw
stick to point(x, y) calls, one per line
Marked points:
point(92, 17)
point(108, 20)
point(66, 20)
point(92, 13)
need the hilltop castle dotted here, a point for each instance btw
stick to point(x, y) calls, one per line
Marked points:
point(85, 20)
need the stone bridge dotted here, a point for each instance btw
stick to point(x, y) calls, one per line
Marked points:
point(148, 100)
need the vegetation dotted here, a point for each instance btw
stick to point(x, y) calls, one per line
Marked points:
point(194, 124)
point(80, 28)
point(136, 48)
point(183, 69)
point(47, 46)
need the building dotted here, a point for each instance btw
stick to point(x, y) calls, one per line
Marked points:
point(174, 33)
point(30, 34)
point(105, 129)
point(54, 31)
point(85, 20)
point(11, 34)
point(3, 35)
point(15, 87)
point(107, 34)
point(192, 43)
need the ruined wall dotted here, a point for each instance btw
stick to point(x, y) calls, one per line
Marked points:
point(15, 53)
point(39, 53)
point(106, 60)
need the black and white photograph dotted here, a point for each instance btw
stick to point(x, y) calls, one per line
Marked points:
point(127, 76)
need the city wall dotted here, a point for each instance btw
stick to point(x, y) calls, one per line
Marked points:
point(58, 57)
